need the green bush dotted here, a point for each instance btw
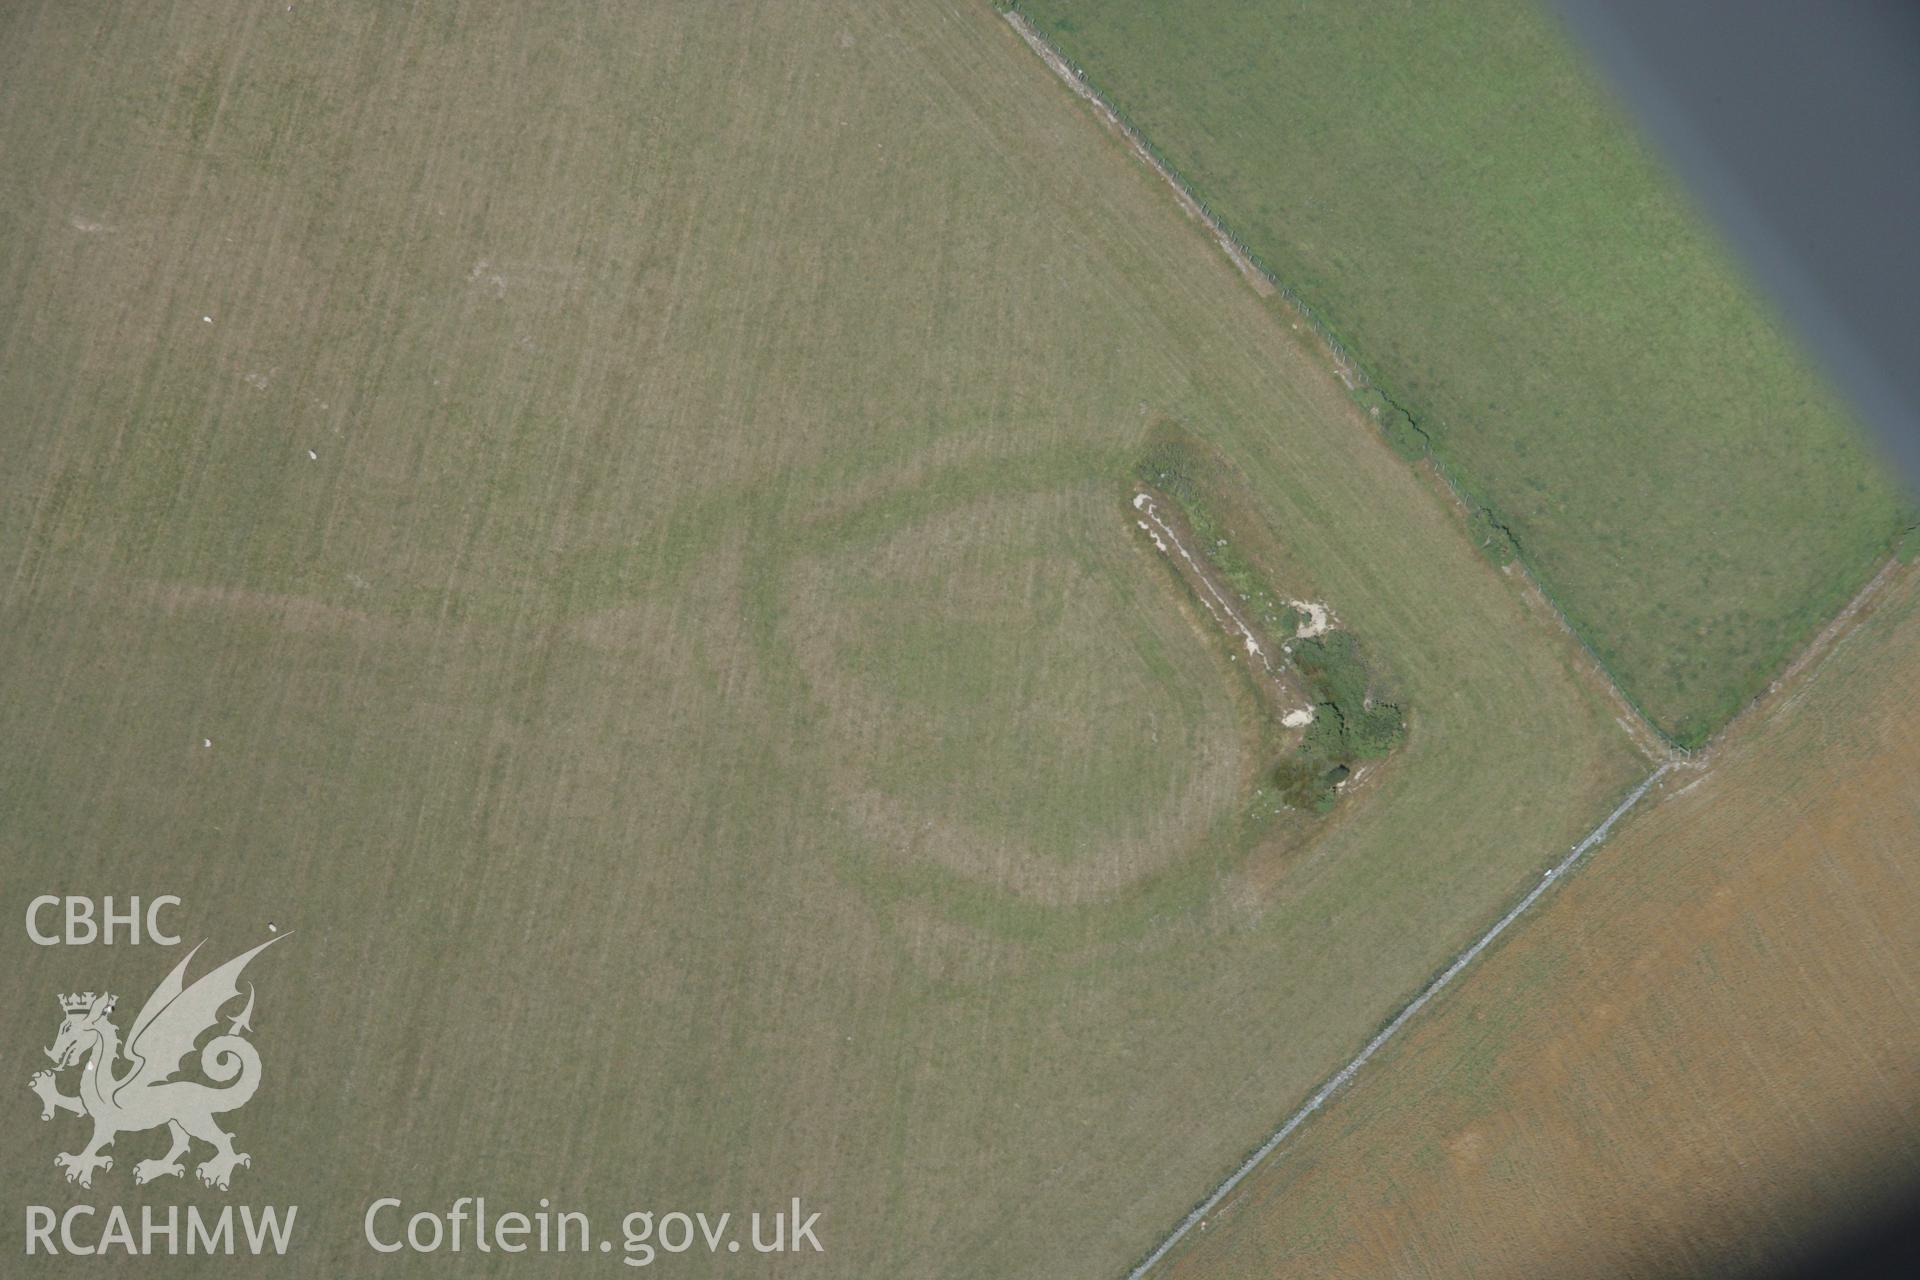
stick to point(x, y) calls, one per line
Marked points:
point(1349, 725)
point(1376, 731)
point(1407, 439)
point(1492, 537)
point(1405, 435)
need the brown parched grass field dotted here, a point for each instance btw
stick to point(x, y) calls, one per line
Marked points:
point(604, 521)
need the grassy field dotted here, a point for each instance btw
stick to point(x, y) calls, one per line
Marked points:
point(1698, 1056)
point(633, 497)
point(1450, 192)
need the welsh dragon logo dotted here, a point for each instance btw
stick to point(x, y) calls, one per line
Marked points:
point(145, 1093)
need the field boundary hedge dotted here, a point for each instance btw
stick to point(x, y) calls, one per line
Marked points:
point(1356, 377)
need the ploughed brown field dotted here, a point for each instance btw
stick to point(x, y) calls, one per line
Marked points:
point(1703, 1048)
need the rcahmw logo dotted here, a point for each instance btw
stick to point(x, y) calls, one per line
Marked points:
point(153, 1078)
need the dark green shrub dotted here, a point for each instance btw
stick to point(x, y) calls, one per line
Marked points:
point(1349, 725)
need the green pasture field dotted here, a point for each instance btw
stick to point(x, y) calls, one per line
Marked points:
point(1454, 196)
point(607, 523)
